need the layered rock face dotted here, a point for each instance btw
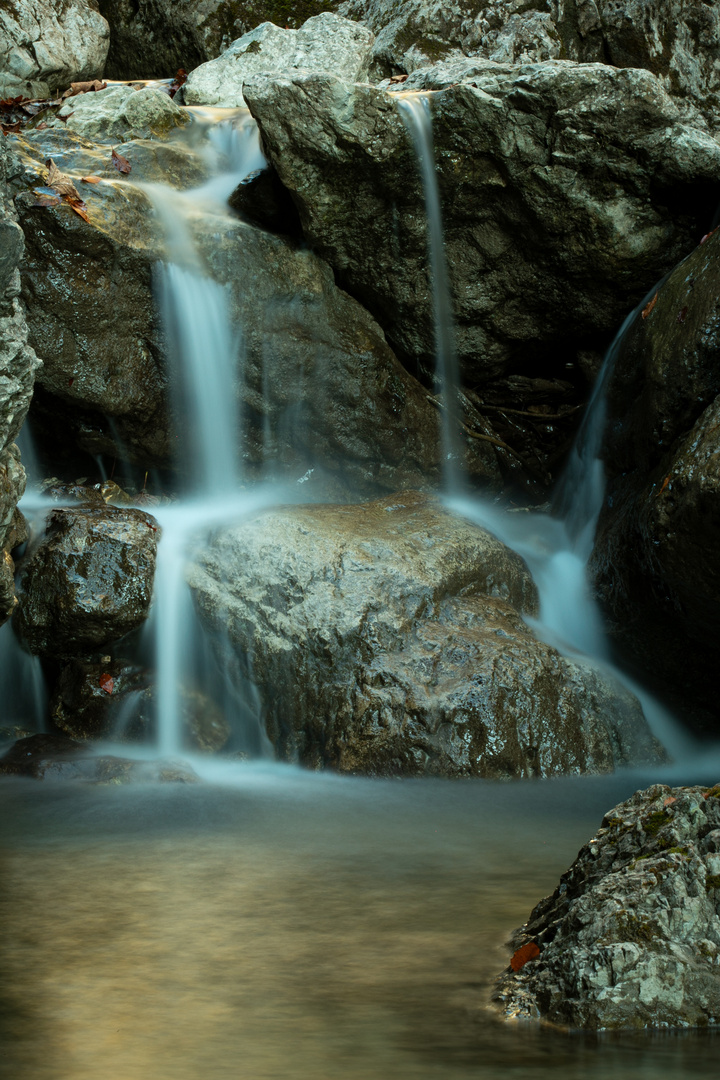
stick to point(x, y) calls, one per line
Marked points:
point(18, 364)
point(655, 559)
point(325, 44)
point(387, 639)
point(47, 44)
point(675, 39)
point(319, 386)
point(631, 936)
point(567, 190)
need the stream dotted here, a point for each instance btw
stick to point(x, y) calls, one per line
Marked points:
point(269, 922)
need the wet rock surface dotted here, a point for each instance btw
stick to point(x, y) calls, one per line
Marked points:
point(90, 580)
point(121, 113)
point(325, 43)
point(56, 757)
point(18, 365)
point(631, 936)
point(387, 639)
point(113, 698)
point(567, 190)
point(655, 559)
point(47, 44)
point(319, 387)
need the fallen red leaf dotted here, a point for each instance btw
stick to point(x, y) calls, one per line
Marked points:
point(709, 234)
point(682, 315)
point(669, 801)
point(91, 179)
point(121, 163)
point(107, 683)
point(648, 308)
point(521, 957)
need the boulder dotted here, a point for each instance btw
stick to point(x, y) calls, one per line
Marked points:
point(89, 581)
point(45, 45)
point(631, 936)
point(655, 561)
point(121, 113)
point(567, 190)
point(56, 757)
point(153, 38)
point(320, 390)
point(325, 43)
point(387, 639)
point(18, 365)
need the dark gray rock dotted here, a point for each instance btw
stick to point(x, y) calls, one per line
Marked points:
point(631, 936)
point(318, 385)
point(386, 639)
point(656, 560)
point(90, 580)
point(567, 190)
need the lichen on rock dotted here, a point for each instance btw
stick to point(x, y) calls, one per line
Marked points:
point(631, 936)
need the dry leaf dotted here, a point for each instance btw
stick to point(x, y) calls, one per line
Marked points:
point(79, 207)
point(60, 181)
point(121, 163)
point(91, 179)
point(84, 87)
point(521, 957)
point(669, 801)
point(107, 683)
point(647, 310)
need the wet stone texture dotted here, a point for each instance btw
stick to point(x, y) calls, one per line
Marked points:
point(56, 757)
point(90, 580)
point(655, 559)
point(387, 639)
point(631, 936)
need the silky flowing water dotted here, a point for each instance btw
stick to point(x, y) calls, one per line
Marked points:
point(267, 922)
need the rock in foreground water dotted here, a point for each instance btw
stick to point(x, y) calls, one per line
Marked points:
point(387, 639)
point(90, 581)
point(55, 757)
point(631, 936)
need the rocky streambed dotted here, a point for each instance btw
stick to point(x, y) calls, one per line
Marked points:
point(216, 287)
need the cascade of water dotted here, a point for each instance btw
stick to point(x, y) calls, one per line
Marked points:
point(556, 548)
point(415, 111)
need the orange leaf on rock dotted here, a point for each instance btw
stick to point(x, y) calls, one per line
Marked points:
point(60, 181)
point(91, 179)
point(647, 310)
point(521, 957)
point(79, 207)
point(121, 163)
point(107, 683)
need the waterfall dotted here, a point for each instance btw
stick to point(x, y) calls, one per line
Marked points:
point(555, 547)
point(415, 111)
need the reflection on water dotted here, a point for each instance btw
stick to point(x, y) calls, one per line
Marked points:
point(286, 925)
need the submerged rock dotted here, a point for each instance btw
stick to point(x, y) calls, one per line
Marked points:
point(90, 580)
point(567, 190)
point(631, 936)
point(325, 43)
point(387, 639)
point(55, 757)
point(656, 561)
point(44, 45)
